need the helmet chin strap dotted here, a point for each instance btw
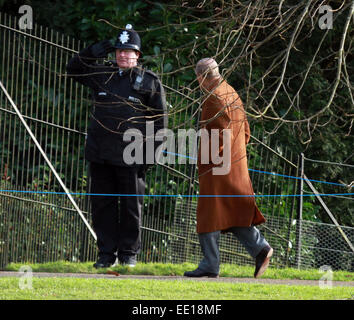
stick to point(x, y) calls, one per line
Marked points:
point(122, 68)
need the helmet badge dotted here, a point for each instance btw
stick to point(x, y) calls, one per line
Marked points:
point(124, 37)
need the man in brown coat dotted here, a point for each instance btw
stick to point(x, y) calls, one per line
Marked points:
point(226, 202)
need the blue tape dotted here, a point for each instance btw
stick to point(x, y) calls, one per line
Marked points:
point(177, 195)
point(271, 173)
point(299, 178)
point(202, 196)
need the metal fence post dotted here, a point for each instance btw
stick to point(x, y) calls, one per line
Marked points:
point(191, 191)
point(299, 213)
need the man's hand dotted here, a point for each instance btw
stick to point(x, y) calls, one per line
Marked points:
point(102, 48)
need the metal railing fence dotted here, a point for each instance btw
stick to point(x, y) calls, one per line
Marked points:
point(43, 227)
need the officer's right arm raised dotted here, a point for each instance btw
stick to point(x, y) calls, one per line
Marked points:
point(82, 66)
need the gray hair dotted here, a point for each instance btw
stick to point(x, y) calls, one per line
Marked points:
point(207, 68)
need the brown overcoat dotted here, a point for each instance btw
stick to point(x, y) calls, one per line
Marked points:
point(223, 109)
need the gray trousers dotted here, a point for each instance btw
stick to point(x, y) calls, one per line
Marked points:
point(250, 238)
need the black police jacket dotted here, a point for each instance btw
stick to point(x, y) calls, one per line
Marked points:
point(120, 103)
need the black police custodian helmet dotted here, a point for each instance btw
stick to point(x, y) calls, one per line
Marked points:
point(128, 39)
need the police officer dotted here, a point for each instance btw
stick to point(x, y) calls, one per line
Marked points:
point(125, 96)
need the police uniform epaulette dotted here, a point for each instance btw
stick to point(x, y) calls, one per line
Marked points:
point(142, 74)
point(149, 72)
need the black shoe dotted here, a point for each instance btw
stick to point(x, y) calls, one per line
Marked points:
point(262, 261)
point(197, 273)
point(104, 263)
point(129, 261)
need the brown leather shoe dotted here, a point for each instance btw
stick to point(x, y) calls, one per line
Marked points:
point(262, 261)
point(197, 273)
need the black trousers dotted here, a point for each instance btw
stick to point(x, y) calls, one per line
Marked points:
point(117, 219)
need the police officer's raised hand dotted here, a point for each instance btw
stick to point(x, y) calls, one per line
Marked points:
point(102, 48)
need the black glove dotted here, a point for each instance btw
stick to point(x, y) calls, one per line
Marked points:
point(101, 49)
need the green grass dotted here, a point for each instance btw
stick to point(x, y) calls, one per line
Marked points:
point(109, 289)
point(125, 289)
point(169, 269)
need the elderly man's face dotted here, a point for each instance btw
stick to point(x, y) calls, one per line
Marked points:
point(127, 58)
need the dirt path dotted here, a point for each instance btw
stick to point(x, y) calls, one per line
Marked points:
point(178, 278)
